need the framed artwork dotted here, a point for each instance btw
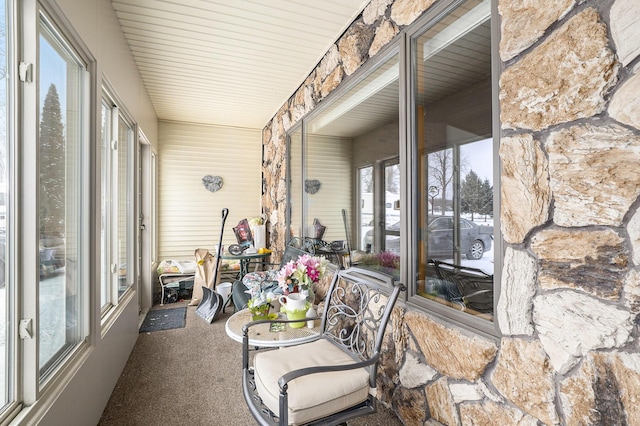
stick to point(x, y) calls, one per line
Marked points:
point(243, 233)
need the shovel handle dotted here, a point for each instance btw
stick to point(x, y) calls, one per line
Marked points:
point(225, 213)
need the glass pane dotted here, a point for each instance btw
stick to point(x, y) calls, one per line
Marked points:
point(105, 202)
point(392, 207)
point(5, 336)
point(366, 206)
point(440, 182)
point(60, 200)
point(455, 165)
point(351, 138)
point(476, 204)
point(125, 212)
point(328, 184)
point(295, 185)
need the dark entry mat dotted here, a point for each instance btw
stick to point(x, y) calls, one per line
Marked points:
point(164, 319)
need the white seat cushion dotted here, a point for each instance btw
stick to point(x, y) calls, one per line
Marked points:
point(314, 396)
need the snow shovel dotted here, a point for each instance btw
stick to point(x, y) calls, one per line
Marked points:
point(211, 303)
point(346, 232)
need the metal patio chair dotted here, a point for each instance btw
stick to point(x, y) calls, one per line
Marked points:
point(333, 378)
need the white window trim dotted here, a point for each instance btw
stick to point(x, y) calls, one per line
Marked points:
point(118, 111)
point(37, 395)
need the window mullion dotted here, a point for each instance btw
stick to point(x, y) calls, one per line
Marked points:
point(457, 256)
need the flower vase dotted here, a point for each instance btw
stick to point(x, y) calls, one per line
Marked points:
point(309, 294)
point(296, 315)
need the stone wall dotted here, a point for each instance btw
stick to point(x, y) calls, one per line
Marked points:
point(570, 181)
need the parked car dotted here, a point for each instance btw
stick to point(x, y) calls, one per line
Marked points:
point(52, 254)
point(474, 239)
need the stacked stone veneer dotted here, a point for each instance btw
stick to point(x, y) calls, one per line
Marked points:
point(570, 153)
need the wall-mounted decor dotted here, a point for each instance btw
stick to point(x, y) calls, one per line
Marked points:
point(311, 186)
point(212, 183)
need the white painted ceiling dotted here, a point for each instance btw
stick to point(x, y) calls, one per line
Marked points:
point(229, 62)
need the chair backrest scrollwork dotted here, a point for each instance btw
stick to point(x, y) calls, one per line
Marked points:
point(357, 309)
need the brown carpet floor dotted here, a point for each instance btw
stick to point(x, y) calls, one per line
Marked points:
point(190, 376)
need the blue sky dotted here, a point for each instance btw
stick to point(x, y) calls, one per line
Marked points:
point(53, 69)
point(479, 158)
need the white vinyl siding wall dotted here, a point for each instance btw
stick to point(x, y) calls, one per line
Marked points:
point(329, 161)
point(189, 216)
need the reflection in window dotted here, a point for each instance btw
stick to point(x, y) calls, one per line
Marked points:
point(295, 185)
point(391, 184)
point(342, 149)
point(60, 200)
point(125, 219)
point(455, 166)
point(365, 206)
point(327, 163)
point(105, 202)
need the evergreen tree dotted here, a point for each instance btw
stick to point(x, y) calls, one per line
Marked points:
point(476, 195)
point(486, 207)
point(52, 166)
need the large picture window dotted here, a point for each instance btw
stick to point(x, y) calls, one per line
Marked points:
point(453, 133)
point(61, 210)
point(420, 202)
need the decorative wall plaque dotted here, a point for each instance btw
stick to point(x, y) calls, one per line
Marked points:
point(212, 183)
point(311, 186)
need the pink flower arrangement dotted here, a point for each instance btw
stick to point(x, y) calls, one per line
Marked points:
point(300, 274)
point(389, 259)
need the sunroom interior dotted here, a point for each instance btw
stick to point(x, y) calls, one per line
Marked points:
point(456, 146)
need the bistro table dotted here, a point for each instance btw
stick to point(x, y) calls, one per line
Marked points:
point(260, 335)
point(245, 259)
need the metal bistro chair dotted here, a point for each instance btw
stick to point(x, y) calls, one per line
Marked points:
point(474, 287)
point(333, 378)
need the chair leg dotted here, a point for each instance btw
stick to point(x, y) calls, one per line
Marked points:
point(226, 302)
point(162, 296)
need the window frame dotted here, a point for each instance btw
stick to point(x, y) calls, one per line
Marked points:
point(32, 388)
point(409, 203)
point(117, 112)
point(56, 369)
point(12, 343)
point(480, 326)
